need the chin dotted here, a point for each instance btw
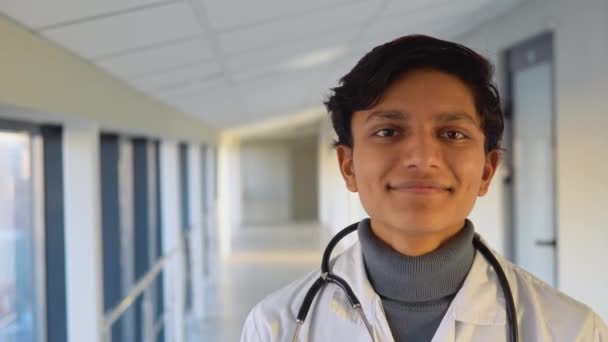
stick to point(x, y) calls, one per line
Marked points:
point(417, 224)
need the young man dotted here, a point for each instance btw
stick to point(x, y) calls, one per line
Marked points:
point(419, 125)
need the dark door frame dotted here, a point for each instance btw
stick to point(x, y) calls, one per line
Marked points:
point(522, 55)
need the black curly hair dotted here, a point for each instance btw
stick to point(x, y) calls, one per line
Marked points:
point(364, 86)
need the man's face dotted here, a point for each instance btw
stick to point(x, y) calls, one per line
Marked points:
point(418, 159)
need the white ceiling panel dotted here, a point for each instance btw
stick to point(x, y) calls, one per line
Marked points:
point(156, 60)
point(127, 31)
point(306, 63)
point(284, 53)
point(213, 107)
point(212, 86)
point(37, 14)
point(177, 78)
point(416, 6)
point(293, 29)
point(284, 91)
point(228, 14)
point(435, 8)
point(431, 21)
point(385, 31)
point(330, 75)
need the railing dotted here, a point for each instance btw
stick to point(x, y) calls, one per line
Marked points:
point(143, 287)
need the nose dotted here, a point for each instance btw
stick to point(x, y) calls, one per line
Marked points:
point(422, 151)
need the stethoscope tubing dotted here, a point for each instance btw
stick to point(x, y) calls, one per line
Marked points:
point(504, 284)
point(328, 277)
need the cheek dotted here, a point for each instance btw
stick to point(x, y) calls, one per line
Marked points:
point(371, 170)
point(370, 167)
point(471, 173)
point(370, 184)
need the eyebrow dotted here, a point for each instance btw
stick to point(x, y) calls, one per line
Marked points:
point(399, 115)
point(457, 116)
point(387, 114)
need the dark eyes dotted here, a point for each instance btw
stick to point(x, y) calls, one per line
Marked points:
point(454, 135)
point(386, 132)
point(450, 134)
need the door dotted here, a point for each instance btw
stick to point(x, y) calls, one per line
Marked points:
point(532, 156)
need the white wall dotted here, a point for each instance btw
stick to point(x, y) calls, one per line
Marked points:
point(229, 190)
point(338, 207)
point(196, 224)
point(303, 170)
point(489, 214)
point(173, 275)
point(266, 182)
point(279, 178)
point(581, 84)
point(211, 215)
point(43, 77)
point(83, 242)
point(210, 198)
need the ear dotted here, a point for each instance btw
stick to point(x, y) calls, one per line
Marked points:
point(489, 169)
point(345, 161)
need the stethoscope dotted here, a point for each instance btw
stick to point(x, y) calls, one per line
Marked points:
point(328, 277)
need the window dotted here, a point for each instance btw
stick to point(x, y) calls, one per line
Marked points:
point(21, 237)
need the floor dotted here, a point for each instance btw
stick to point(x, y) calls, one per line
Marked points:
point(263, 259)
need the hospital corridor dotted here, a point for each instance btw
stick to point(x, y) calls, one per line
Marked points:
point(263, 260)
point(165, 165)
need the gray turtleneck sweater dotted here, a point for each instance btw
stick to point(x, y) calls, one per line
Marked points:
point(416, 291)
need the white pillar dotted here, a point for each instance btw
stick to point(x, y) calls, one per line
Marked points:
point(173, 280)
point(229, 182)
point(83, 248)
point(196, 222)
point(210, 213)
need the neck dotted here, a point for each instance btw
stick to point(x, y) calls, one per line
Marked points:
point(414, 242)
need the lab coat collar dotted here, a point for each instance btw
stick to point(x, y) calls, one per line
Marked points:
point(351, 267)
point(480, 300)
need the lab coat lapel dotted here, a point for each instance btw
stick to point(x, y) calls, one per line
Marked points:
point(477, 313)
point(351, 267)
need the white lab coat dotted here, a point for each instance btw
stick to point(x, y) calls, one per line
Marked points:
point(477, 313)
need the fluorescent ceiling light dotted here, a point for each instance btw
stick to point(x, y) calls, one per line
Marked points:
point(315, 58)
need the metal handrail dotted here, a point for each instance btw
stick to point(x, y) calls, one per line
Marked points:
point(140, 287)
point(157, 326)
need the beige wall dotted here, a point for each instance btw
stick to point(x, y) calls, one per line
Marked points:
point(338, 207)
point(266, 182)
point(581, 84)
point(279, 178)
point(40, 77)
point(304, 178)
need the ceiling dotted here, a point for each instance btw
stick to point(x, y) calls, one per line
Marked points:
point(231, 63)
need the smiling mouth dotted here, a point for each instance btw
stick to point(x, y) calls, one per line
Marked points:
point(422, 188)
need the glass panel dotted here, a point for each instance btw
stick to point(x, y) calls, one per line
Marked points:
point(127, 232)
point(533, 166)
point(18, 310)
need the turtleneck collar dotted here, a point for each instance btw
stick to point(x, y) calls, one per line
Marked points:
point(424, 278)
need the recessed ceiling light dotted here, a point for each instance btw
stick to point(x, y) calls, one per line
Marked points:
point(315, 58)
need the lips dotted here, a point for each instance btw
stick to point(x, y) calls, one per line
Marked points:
point(419, 187)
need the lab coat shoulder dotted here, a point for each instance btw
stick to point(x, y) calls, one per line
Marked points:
point(548, 314)
point(543, 313)
point(273, 319)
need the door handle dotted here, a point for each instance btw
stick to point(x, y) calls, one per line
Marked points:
point(546, 243)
